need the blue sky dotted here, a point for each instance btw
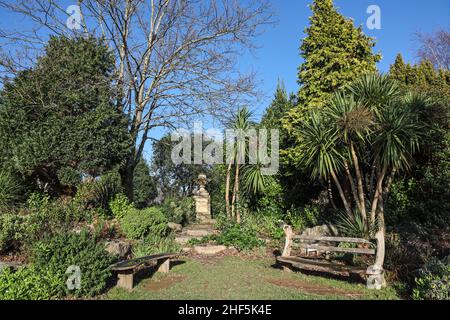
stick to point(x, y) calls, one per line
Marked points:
point(278, 57)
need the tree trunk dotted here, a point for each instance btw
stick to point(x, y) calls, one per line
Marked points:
point(352, 185)
point(227, 189)
point(127, 177)
point(388, 186)
point(362, 203)
point(378, 193)
point(341, 193)
point(330, 194)
point(238, 211)
point(370, 187)
point(380, 236)
point(235, 199)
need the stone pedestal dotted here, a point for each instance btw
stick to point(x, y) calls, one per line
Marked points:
point(202, 201)
point(375, 279)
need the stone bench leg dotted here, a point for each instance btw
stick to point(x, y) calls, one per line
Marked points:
point(126, 280)
point(165, 266)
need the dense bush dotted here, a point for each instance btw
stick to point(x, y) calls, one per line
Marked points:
point(433, 282)
point(155, 245)
point(304, 217)
point(266, 223)
point(28, 284)
point(42, 217)
point(99, 193)
point(144, 185)
point(240, 236)
point(46, 217)
point(11, 230)
point(120, 206)
point(9, 189)
point(57, 253)
point(139, 224)
point(179, 210)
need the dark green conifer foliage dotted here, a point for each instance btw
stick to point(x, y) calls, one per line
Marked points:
point(335, 52)
point(57, 122)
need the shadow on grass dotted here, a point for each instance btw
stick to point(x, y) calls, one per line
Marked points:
point(352, 278)
point(145, 272)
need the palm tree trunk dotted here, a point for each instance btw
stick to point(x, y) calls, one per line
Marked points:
point(362, 203)
point(227, 189)
point(238, 211)
point(378, 193)
point(330, 194)
point(235, 199)
point(380, 237)
point(341, 192)
point(370, 187)
point(352, 185)
point(388, 186)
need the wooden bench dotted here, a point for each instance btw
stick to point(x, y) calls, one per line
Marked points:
point(326, 245)
point(126, 269)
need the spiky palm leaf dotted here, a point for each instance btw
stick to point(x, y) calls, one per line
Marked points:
point(321, 147)
point(397, 138)
point(354, 225)
point(255, 182)
point(375, 91)
point(351, 118)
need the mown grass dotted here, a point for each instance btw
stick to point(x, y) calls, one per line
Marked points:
point(233, 278)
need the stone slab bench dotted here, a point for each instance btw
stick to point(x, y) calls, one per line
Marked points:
point(126, 269)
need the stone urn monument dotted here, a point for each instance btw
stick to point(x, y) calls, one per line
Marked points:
point(202, 201)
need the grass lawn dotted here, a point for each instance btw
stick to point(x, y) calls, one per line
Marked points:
point(230, 278)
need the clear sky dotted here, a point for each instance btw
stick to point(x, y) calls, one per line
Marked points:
point(278, 56)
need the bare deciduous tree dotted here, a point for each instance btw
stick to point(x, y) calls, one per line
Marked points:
point(174, 58)
point(435, 47)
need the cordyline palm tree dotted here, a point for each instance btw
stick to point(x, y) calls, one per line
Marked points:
point(240, 123)
point(369, 131)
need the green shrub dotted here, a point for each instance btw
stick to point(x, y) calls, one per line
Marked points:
point(11, 230)
point(305, 217)
point(239, 236)
point(55, 254)
point(139, 224)
point(47, 217)
point(398, 201)
point(99, 193)
point(180, 211)
point(201, 241)
point(267, 224)
point(120, 206)
point(155, 245)
point(433, 282)
point(27, 284)
point(9, 189)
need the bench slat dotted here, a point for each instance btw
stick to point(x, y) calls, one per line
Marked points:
point(331, 239)
point(131, 264)
point(337, 249)
point(315, 265)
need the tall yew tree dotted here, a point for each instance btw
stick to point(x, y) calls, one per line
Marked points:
point(335, 52)
point(57, 119)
